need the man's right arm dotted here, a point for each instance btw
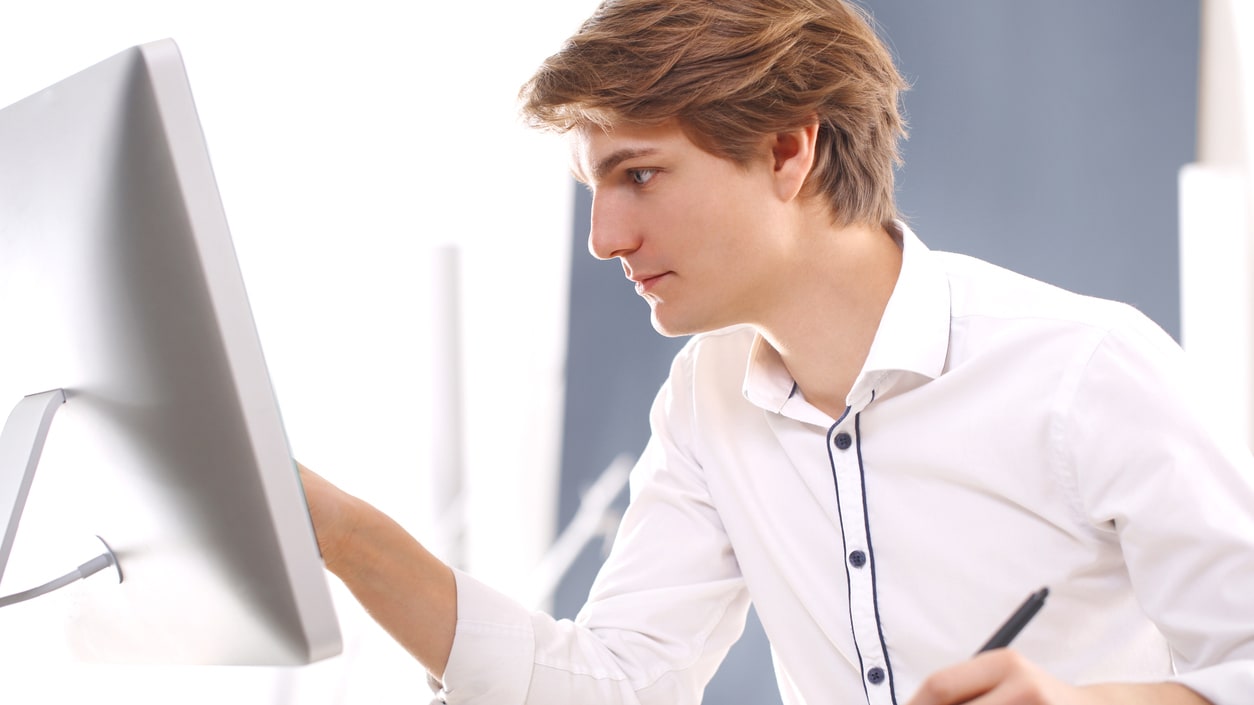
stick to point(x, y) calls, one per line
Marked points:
point(406, 589)
point(662, 614)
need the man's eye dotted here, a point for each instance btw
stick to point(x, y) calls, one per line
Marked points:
point(641, 176)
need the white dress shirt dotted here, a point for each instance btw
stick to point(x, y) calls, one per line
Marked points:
point(1003, 436)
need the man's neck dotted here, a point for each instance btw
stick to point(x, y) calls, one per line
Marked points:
point(824, 327)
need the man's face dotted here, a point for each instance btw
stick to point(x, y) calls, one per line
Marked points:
point(703, 238)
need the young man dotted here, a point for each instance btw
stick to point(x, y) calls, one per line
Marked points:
point(884, 448)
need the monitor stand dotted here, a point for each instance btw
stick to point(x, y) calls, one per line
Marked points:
point(21, 442)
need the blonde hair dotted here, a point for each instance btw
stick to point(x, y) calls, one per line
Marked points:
point(732, 71)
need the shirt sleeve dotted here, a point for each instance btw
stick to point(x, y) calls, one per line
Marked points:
point(663, 612)
point(1180, 497)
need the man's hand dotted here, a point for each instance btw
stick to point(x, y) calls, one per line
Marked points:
point(1003, 677)
point(334, 514)
point(408, 591)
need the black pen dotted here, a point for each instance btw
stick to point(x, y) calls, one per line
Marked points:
point(1017, 621)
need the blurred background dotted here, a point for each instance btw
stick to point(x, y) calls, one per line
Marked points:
point(443, 346)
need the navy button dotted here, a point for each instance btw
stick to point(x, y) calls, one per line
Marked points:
point(875, 675)
point(857, 559)
point(843, 441)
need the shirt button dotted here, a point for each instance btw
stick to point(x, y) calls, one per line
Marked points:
point(875, 676)
point(843, 441)
point(857, 559)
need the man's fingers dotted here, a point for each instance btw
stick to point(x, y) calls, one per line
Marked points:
point(959, 683)
point(1001, 670)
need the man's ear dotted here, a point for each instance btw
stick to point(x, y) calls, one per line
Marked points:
point(793, 152)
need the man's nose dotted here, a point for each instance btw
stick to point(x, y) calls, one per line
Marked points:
point(611, 234)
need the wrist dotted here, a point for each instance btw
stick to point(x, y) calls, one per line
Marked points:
point(340, 548)
point(1143, 694)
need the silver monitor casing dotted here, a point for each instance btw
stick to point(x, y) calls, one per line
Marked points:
point(119, 284)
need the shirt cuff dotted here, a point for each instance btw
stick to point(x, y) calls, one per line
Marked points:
point(1223, 684)
point(493, 648)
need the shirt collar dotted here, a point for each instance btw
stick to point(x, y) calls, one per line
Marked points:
point(910, 345)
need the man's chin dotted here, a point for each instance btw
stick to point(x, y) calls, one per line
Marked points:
point(674, 329)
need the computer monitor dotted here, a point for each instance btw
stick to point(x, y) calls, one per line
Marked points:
point(119, 285)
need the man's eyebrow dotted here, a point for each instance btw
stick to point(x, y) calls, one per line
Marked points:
point(606, 165)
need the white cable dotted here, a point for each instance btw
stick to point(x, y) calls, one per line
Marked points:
point(91, 567)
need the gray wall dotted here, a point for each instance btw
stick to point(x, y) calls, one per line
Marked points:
point(1045, 137)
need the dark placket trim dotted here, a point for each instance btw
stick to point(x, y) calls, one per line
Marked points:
point(831, 462)
point(870, 551)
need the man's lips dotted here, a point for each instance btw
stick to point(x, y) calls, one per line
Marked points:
point(646, 283)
